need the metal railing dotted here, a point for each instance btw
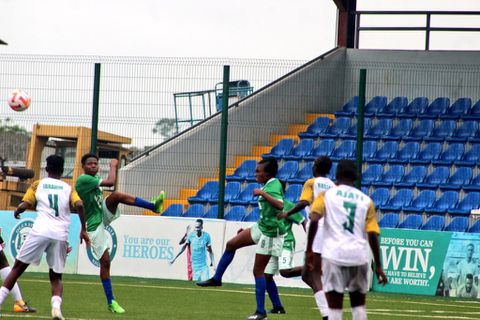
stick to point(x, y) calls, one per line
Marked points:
point(427, 28)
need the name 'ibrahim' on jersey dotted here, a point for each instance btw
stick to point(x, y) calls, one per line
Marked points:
point(198, 248)
point(52, 198)
point(349, 216)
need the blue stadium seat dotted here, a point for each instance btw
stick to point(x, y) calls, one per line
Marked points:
point(345, 150)
point(434, 223)
point(458, 224)
point(232, 190)
point(244, 171)
point(196, 210)
point(423, 129)
point(389, 220)
point(414, 108)
point(373, 106)
point(473, 113)
point(470, 158)
point(409, 151)
point(394, 107)
point(474, 184)
point(384, 153)
point(212, 212)
point(444, 130)
point(338, 127)
point(475, 228)
point(469, 202)
point(371, 174)
point(431, 152)
point(348, 108)
point(369, 148)
point(236, 213)
point(403, 127)
point(379, 130)
point(401, 199)
point(252, 216)
point(333, 171)
point(380, 196)
point(436, 108)
point(475, 138)
point(415, 175)
point(324, 148)
point(458, 109)
point(173, 210)
point(303, 174)
point(351, 133)
point(282, 148)
point(467, 130)
point(315, 128)
point(438, 176)
point(423, 200)
point(459, 178)
point(454, 152)
point(448, 200)
point(412, 221)
point(301, 150)
point(246, 195)
point(390, 177)
point(288, 170)
point(208, 191)
point(293, 192)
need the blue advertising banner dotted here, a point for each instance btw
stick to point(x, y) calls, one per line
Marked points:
point(14, 232)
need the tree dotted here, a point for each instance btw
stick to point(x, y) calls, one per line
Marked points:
point(7, 126)
point(166, 127)
point(13, 141)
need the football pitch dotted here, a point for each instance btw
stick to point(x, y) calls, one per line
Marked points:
point(83, 299)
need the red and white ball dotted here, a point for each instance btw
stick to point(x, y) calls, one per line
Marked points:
point(19, 100)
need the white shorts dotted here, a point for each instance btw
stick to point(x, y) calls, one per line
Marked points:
point(270, 246)
point(200, 274)
point(108, 216)
point(337, 278)
point(275, 264)
point(34, 246)
point(98, 241)
point(317, 241)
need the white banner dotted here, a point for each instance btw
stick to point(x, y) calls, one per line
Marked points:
point(142, 246)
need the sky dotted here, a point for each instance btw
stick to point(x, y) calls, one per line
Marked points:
point(265, 29)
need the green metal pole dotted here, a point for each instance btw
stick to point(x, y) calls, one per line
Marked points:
point(223, 142)
point(176, 112)
point(360, 117)
point(96, 98)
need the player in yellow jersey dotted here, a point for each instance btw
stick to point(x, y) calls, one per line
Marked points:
point(349, 221)
point(52, 198)
point(311, 188)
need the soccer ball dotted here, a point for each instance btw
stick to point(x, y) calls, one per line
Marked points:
point(19, 100)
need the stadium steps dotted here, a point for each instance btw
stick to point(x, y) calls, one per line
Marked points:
point(275, 138)
point(310, 117)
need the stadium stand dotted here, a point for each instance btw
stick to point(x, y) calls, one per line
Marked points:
point(371, 174)
point(409, 151)
point(196, 210)
point(345, 150)
point(474, 112)
point(384, 153)
point(453, 153)
point(448, 200)
point(442, 130)
point(423, 129)
point(430, 152)
point(412, 221)
point(414, 108)
point(423, 200)
point(380, 196)
point(470, 158)
point(351, 133)
point(438, 176)
point(474, 184)
point(236, 213)
point(173, 210)
point(293, 192)
point(379, 129)
point(458, 109)
point(390, 177)
point(475, 228)
point(302, 174)
point(243, 172)
point(434, 223)
point(389, 220)
point(212, 212)
point(373, 106)
point(301, 150)
point(288, 170)
point(401, 199)
point(208, 191)
point(436, 108)
point(324, 148)
point(246, 195)
point(469, 202)
point(461, 177)
point(282, 148)
point(415, 175)
point(338, 127)
point(316, 128)
point(458, 224)
point(252, 216)
point(393, 108)
point(232, 190)
point(468, 129)
point(401, 129)
point(348, 108)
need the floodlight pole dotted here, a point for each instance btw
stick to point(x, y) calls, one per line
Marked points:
point(360, 118)
point(223, 142)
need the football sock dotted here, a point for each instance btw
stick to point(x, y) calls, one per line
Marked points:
point(56, 302)
point(142, 203)
point(273, 293)
point(15, 291)
point(3, 294)
point(321, 301)
point(359, 313)
point(107, 287)
point(223, 264)
point(260, 288)
point(335, 314)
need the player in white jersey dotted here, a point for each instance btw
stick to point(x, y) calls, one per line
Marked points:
point(349, 221)
point(311, 188)
point(52, 198)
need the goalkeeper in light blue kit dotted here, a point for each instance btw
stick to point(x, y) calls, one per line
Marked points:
point(199, 242)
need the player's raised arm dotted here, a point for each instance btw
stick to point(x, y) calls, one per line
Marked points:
point(112, 175)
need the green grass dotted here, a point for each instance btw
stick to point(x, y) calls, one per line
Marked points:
point(169, 299)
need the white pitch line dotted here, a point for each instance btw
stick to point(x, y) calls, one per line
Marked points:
point(426, 303)
point(422, 316)
point(23, 316)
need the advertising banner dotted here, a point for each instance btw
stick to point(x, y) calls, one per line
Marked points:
point(413, 260)
point(145, 246)
point(14, 232)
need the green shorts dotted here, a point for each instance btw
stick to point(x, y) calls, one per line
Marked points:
point(271, 246)
point(275, 264)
